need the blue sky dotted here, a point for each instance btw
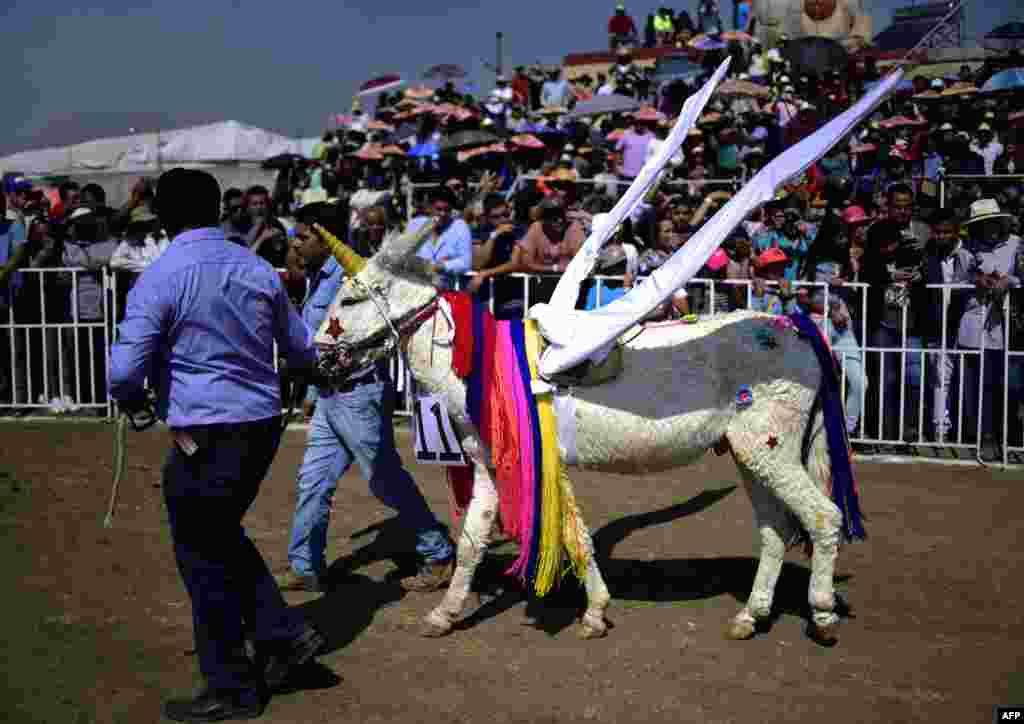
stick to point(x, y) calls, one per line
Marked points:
point(75, 74)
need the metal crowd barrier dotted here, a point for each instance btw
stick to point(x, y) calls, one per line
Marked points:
point(58, 353)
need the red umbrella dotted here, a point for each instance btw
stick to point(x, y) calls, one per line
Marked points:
point(898, 121)
point(380, 84)
point(527, 140)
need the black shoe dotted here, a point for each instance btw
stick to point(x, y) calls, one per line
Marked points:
point(216, 706)
point(292, 581)
point(291, 656)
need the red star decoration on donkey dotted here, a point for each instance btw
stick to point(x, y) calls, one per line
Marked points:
point(334, 328)
point(772, 442)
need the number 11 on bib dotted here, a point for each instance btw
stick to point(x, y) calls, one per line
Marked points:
point(436, 441)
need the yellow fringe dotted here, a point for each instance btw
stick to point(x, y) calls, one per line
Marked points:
point(560, 526)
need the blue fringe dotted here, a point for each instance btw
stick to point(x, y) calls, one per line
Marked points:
point(844, 489)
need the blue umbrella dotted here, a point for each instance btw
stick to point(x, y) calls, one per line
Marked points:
point(1009, 36)
point(424, 150)
point(1011, 79)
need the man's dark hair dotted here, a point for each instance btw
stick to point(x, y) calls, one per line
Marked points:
point(898, 188)
point(330, 182)
point(332, 155)
point(231, 194)
point(944, 216)
point(65, 189)
point(187, 198)
point(333, 217)
point(99, 196)
point(257, 191)
point(493, 201)
point(443, 193)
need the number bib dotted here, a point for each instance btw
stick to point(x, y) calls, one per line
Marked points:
point(436, 441)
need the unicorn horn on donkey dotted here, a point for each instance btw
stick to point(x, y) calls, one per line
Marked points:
point(764, 388)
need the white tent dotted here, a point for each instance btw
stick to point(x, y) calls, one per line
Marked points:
point(230, 150)
point(224, 142)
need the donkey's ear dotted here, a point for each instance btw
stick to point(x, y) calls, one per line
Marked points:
point(398, 248)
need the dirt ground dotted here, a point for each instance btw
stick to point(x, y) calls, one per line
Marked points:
point(98, 626)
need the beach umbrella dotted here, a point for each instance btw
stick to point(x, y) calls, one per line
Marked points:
point(815, 54)
point(959, 89)
point(1009, 36)
point(1012, 79)
point(419, 92)
point(526, 140)
point(482, 151)
point(737, 35)
point(462, 140)
point(424, 150)
point(599, 105)
point(283, 161)
point(734, 87)
point(403, 133)
point(706, 42)
point(379, 85)
point(648, 114)
point(902, 121)
point(444, 71)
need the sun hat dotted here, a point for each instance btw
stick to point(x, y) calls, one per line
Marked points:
point(141, 215)
point(985, 209)
point(984, 127)
point(771, 255)
point(80, 213)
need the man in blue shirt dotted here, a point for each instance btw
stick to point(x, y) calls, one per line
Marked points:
point(12, 243)
point(351, 422)
point(200, 323)
point(449, 249)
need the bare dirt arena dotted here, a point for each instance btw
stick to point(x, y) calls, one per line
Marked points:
point(98, 626)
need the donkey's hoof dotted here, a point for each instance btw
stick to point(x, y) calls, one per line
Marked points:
point(431, 629)
point(740, 630)
point(823, 634)
point(586, 631)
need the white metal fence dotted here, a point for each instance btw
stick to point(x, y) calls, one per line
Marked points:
point(900, 390)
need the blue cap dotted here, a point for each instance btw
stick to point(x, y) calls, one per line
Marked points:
point(17, 183)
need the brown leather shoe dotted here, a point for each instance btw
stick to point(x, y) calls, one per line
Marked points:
point(432, 577)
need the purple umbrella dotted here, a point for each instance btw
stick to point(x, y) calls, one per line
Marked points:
point(444, 71)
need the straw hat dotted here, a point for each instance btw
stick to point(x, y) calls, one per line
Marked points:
point(985, 209)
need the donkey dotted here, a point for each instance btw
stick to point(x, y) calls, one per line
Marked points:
point(676, 398)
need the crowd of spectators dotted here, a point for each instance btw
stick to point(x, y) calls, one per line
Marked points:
point(514, 179)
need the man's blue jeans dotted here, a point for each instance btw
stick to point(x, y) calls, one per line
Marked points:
point(356, 427)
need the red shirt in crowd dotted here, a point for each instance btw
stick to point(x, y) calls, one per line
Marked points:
point(621, 25)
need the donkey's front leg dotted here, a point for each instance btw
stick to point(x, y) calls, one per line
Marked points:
point(476, 534)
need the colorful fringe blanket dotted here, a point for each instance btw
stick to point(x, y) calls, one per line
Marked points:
point(538, 508)
point(844, 485)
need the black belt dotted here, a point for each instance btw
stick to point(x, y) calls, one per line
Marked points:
point(330, 388)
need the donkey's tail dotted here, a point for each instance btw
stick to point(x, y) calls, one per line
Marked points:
point(826, 448)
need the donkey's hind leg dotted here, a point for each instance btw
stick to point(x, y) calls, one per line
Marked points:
point(770, 446)
point(773, 530)
point(476, 534)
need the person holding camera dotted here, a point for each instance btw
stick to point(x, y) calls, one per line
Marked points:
point(893, 257)
point(783, 230)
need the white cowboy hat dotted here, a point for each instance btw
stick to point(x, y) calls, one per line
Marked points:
point(985, 209)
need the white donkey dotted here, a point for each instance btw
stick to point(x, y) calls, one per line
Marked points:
point(675, 400)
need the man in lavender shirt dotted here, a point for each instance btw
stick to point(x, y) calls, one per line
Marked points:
point(633, 146)
point(200, 323)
